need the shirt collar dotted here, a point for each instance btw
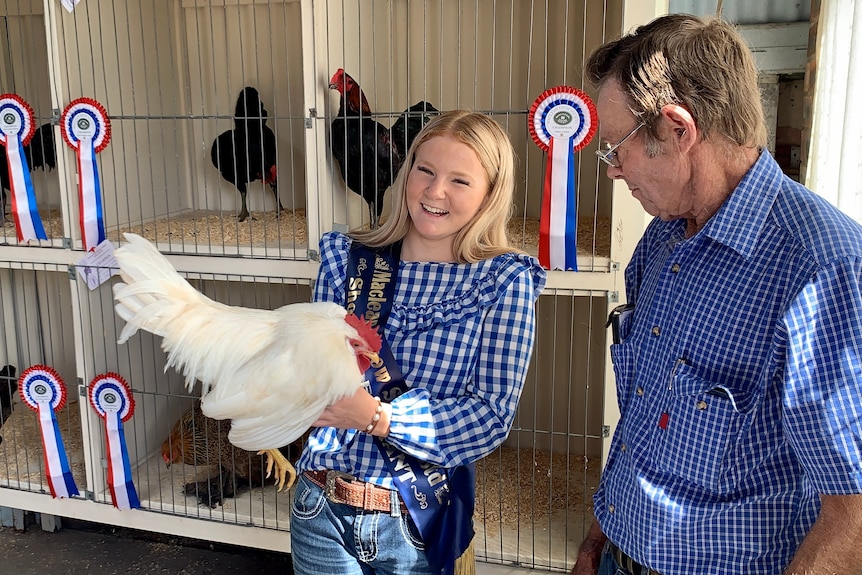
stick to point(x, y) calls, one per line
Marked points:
point(740, 220)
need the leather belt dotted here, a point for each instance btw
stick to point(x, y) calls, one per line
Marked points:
point(627, 563)
point(343, 488)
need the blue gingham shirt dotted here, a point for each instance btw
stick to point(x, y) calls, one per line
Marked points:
point(739, 382)
point(462, 335)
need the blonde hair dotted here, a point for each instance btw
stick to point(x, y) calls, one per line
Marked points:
point(702, 64)
point(485, 235)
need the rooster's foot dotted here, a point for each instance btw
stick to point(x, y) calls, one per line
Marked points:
point(285, 473)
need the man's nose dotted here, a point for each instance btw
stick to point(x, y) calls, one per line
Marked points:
point(615, 173)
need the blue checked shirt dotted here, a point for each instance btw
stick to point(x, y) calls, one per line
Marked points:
point(462, 336)
point(739, 383)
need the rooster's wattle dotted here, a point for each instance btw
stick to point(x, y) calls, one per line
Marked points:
point(272, 373)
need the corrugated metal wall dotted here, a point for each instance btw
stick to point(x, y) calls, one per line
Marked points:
point(747, 12)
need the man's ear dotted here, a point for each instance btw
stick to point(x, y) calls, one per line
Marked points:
point(682, 126)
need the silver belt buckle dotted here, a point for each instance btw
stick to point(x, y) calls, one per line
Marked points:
point(329, 487)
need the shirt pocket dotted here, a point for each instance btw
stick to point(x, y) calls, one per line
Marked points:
point(704, 421)
point(623, 359)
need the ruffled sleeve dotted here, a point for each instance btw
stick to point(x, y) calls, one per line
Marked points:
point(334, 252)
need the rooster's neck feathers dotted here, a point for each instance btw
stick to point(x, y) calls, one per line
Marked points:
point(357, 102)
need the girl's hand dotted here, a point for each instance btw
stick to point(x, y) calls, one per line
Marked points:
point(356, 412)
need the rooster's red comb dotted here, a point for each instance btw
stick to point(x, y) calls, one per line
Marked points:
point(365, 330)
point(337, 78)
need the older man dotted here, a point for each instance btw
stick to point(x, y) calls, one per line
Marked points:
point(739, 368)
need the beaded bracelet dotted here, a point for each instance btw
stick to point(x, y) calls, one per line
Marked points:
point(376, 419)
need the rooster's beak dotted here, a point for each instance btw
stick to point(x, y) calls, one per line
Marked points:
point(372, 357)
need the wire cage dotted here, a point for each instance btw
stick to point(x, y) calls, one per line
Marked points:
point(175, 78)
point(38, 329)
point(187, 150)
point(534, 494)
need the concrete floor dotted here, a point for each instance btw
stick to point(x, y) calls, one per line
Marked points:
point(91, 549)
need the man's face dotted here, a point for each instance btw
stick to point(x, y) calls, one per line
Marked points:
point(659, 182)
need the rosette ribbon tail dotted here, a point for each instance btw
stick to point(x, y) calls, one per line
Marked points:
point(123, 493)
point(28, 224)
point(90, 196)
point(58, 471)
point(558, 226)
point(69, 5)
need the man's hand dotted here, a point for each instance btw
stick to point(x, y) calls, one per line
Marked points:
point(834, 544)
point(590, 553)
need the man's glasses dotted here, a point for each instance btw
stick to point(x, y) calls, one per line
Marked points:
point(608, 152)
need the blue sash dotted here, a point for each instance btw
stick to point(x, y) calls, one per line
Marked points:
point(440, 501)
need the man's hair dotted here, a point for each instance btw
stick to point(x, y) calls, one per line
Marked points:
point(485, 235)
point(702, 64)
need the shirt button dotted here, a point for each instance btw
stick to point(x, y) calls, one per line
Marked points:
point(674, 268)
point(656, 330)
point(701, 405)
point(639, 390)
point(611, 508)
point(623, 447)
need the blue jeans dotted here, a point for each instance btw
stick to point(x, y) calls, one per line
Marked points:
point(337, 539)
point(609, 566)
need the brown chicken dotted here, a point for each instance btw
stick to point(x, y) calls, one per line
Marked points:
point(203, 442)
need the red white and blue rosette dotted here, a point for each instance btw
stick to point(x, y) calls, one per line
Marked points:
point(561, 121)
point(43, 390)
point(112, 399)
point(86, 128)
point(17, 127)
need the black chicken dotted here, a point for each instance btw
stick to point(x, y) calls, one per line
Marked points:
point(366, 155)
point(39, 153)
point(409, 124)
point(247, 153)
point(200, 441)
point(8, 387)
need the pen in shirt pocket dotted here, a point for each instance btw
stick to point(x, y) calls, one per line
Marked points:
point(619, 320)
point(718, 392)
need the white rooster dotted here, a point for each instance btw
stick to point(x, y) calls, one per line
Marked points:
point(272, 373)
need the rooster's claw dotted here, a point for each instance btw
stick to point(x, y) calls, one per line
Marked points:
point(285, 473)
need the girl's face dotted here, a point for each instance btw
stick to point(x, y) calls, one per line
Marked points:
point(446, 187)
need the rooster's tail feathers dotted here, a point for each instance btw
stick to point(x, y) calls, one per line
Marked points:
point(154, 294)
point(199, 334)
